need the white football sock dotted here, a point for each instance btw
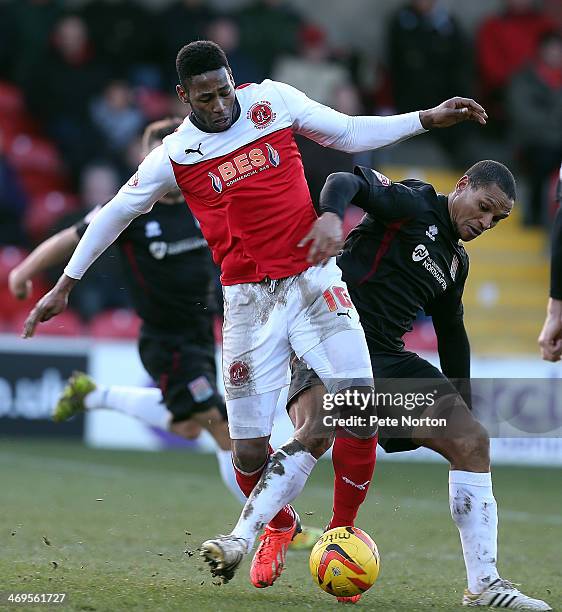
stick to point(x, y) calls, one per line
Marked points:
point(283, 479)
point(475, 513)
point(144, 404)
point(224, 457)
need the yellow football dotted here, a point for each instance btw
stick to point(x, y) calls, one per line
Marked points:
point(345, 562)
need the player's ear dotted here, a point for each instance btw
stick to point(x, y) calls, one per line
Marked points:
point(231, 77)
point(462, 183)
point(182, 94)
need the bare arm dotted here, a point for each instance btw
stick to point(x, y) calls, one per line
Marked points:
point(550, 339)
point(55, 250)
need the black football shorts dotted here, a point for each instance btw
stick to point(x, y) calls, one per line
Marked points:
point(183, 365)
point(399, 373)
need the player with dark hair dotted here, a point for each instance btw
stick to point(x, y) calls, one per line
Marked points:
point(170, 278)
point(236, 161)
point(550, 339)
point(403, 257)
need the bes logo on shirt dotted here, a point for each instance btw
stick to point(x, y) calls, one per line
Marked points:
point(244, 165)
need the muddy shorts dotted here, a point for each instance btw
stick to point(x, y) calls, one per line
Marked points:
point(310, 313)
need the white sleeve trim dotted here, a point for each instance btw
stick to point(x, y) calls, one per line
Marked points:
point(153, 179)
point(333, 129)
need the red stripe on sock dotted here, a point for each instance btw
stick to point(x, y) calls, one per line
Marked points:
point(354, 463)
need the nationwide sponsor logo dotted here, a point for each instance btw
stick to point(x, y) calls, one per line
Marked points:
point(261, 114)
point(159, 250)
point(152, 229)
point(238, 373)
point(431, 232)
point(383, 180)
point(134, 180)
point(244, 165)
point(454, 267)
point(421, 254)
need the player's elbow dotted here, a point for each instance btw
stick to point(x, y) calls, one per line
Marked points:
point(447, 327)
point(337, 177)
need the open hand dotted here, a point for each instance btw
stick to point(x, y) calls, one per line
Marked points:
point(453, 111)
point(326, 236)
point(550, 339)
point(50, 305)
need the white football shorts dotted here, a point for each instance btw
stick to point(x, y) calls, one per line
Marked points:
point(310, 312)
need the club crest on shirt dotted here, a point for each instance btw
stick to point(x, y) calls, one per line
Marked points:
point(152, 229)
point(261, 114)
point(384, 180)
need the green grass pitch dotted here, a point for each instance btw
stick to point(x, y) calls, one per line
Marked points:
point(119, 531)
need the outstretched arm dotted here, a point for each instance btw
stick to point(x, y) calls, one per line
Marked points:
point(55, 250)
point(153, 179)
point(354, 134)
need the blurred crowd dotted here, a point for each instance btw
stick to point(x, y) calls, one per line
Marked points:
point(78, 87)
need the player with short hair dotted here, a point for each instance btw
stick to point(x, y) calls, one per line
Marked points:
point(170, 275)
point(404, 256)
point(236, 161)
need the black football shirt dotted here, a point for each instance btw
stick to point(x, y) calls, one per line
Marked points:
point(403, 257)
point(169, 270)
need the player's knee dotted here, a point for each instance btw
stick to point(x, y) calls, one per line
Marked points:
point(210, 418)
point(250, 455)
point(315, 444)
point(188, 429)
point(472, 450)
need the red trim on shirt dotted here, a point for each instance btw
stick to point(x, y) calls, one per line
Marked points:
point(129, 251)
point(388, 237)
